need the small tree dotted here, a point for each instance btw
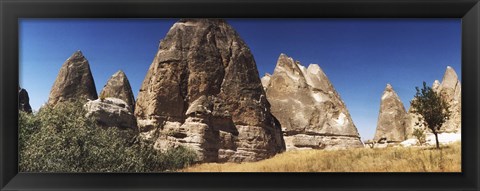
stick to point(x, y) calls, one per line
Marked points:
point(433, 110)
point(420, 135)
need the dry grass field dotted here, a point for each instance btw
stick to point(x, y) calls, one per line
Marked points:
point(391, 159)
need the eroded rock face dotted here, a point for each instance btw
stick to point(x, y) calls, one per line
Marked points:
point(203, 91)
point(24, 101)
point(450, 89)
point(111, 112)
point(311, 112)
point(118, 86)
point(74, 81)
point(391, 124)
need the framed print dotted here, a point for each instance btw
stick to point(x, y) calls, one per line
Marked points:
point(310, 95)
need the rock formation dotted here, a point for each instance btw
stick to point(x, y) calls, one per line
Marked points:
point(24, 101)
point(450, 90)
point(111, 112)
point(391, 124)
point(202, 91)
point(311, 112)
point(74, 81)
point(118, 86)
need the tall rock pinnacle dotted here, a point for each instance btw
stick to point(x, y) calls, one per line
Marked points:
point(391, 122)
point(202, 91)
point(311, 112)
point(73, 82)
point(451, 91)
point(118, 86)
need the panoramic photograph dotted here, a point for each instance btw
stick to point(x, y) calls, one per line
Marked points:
point(239, 95)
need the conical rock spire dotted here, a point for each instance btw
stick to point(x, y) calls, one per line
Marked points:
point(74, 81)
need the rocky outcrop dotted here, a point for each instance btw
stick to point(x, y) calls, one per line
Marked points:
point(203, 91)
point(111, 112)
point(74, 81)
point(450, 90)
point(24, 101)
point(118, 86)
point(311, 112)
point(391, 124)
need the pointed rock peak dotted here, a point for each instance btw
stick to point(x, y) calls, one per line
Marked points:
point(268, 74)
point(74, 81)
point(315, 69)
point(284, 57)
point(189, 22)
point(76, 55)
point(389, 88)
point(389, 92)
point(119, 87)
point(450, 75)
point(285, 62)
point(119, 73)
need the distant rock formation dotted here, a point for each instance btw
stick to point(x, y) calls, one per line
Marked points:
point(450, 90)
point(311, 112)
point(203, 91)
point(74, 81)
point(391, 124)
point(111, 112)
point(24, 101)
point(118, 86)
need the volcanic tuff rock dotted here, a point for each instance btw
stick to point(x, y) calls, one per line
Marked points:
point(111, 112)
point(24, 101)
point(74, 81)
point(203, 91)
point(311, 112)
point(118, 86)
point(450, 89)
point(391, 122)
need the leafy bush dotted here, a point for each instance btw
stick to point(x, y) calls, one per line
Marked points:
point(62, 139)
point(420, 135)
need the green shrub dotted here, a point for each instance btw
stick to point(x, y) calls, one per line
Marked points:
point(420, 135)
point(62, 139)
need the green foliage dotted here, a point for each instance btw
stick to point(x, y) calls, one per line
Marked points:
point(420, 135)
point(433, 110)
point(62, 139)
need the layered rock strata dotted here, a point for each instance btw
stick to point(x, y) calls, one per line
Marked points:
point(111, 112)
point(202, 91)
point(311, 112)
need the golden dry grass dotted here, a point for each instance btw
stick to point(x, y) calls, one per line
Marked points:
point(392, 159)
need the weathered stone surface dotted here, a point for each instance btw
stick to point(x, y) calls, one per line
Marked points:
point(311, 112)
point(266, 81)
point(24, 101)
point(118, 86)
point(450, 90)
point(203, 91)
point(111, 112)
point(392, 117)
point(74, 81)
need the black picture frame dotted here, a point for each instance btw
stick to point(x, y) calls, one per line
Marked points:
point(12, 10)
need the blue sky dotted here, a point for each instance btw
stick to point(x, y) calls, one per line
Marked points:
point(359, 56)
